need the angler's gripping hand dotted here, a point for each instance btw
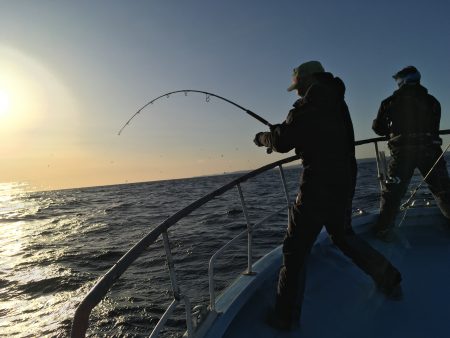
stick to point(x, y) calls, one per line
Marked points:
point(257, 139)
point(260, 141)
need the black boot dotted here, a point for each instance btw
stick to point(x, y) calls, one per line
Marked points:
point(391, 286)
point(282, 322)
point(384, 232)
point(386, 235)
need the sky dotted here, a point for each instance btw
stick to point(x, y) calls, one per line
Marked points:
point(73, 72)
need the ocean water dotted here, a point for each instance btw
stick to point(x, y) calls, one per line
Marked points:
point(54, 245)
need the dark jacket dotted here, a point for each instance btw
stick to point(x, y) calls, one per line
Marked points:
point(409, 116)
point(319, 126)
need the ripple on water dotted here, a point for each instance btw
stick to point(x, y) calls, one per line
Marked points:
point(56, 245)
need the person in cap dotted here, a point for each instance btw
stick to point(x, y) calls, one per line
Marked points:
point(410, 119)
point(320, 129)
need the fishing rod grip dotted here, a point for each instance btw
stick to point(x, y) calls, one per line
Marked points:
point(259, 118)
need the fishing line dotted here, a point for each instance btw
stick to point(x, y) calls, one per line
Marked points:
point(423, 179)
point(405, 206)
point(208, 98)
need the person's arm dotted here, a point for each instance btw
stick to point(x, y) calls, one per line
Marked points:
point(381, 124)
point(282, 137)
point(436, 111)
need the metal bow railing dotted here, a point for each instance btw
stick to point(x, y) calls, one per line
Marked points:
point(99, 290)
point(97, 293)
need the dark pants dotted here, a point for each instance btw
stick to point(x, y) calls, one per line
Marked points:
point(352, 185)
point(404, 160)
point(323, 202)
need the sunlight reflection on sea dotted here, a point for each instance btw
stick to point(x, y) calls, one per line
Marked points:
point(54, 245)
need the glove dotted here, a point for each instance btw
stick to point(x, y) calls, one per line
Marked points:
point(257, 140)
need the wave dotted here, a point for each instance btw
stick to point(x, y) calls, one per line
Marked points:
point(81, 233)
point(119, 207)
point(50, 285)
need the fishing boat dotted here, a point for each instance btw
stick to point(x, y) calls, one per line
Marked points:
point(339, 300)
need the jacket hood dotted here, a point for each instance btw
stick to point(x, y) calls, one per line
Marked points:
point(328, 79)
point(413, 88)
point(323, 80)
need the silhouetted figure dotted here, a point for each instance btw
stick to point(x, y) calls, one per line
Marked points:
point(410, 119)
point(320, 129)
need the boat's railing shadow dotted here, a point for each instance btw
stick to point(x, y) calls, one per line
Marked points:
point(104, 284)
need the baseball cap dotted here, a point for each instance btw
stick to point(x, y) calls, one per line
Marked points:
point(305, 69)
point(405, 71)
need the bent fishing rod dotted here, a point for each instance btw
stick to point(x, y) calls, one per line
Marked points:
point(208, 96)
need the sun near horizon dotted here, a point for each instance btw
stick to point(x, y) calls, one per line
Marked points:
point(51, 142)
point(71, 74)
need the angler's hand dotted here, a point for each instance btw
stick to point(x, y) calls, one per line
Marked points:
point(257, 139)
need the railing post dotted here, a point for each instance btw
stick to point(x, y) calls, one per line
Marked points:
point(176, 289)
point(187, 305)
point(173, 279)
point(381, 168)
point(249, 231)
point(283, 179)
point(379, 173)
point(212, 295)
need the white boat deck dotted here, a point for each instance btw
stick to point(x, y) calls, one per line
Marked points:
point(342, 301)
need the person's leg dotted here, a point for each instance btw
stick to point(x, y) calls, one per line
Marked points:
point(438, 180)
point(401, 169)
point(385, 275)
point(352, 184)
point(302, 231)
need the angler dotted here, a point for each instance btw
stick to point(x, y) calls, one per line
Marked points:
point(410, 119)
